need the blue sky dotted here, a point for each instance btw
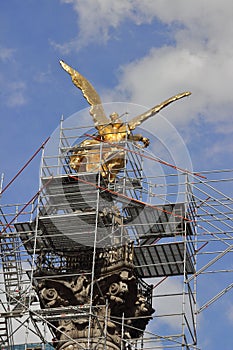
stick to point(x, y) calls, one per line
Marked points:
point(139, 51)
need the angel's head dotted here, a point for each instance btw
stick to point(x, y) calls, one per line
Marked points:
point(114, 117)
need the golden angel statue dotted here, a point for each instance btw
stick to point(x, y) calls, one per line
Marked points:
point(86, 156)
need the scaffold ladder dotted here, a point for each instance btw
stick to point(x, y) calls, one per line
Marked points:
point(3, 327)
point(11, 266)
point(11, 272)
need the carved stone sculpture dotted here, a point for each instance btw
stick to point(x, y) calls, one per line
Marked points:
point(107, 314)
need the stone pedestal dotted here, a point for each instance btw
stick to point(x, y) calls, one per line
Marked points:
point(101, 314)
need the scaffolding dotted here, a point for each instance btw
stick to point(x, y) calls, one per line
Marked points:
point(173, 229)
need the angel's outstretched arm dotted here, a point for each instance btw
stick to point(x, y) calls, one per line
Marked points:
point(142, 117)
point(140, 138)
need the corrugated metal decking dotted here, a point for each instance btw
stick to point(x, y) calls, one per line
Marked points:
point(162, 260)
point(157, 221)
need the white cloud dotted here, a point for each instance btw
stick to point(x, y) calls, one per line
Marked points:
point(169, 305)
point(167, 71)
point(97, 18)
point(6, 54)
point(201, 20)
point(200, 60)
point(14, 90)
point(16, 94)
point(229, 313)
point(168, 300)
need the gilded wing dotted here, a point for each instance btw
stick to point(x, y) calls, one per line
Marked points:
point(142, 117)
point(90, 94)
